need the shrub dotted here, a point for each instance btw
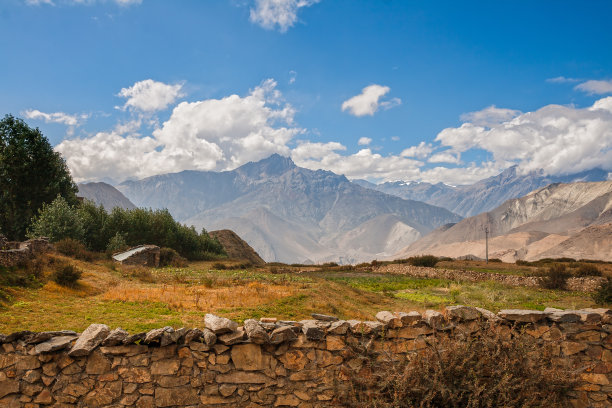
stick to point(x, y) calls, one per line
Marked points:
point(423, 260)
point(169, 257)
point(67, 275)
point(219, 266)
point(487, 371)
point(603, 295)
point(495, 260)
point(587, 270)
point(555, 277)
point(57, 221)
point(75, 249)
point(116, 244)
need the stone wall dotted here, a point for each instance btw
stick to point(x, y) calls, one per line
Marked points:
point(271, 363)
point(18, 253)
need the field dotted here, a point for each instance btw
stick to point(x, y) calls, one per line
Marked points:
point(138, 298)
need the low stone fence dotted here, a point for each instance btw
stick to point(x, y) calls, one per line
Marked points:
point(587, 284)
point(268, 362)
point(18, 253)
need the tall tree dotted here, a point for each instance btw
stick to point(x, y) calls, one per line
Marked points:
point(31, 174)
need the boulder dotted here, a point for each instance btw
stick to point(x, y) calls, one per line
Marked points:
point(312, 330)
point(115, 337)
point(389, 319)
point(219, 325)
point(282, 334)
point(255, 332)
point(89, 340)
point(434, 319)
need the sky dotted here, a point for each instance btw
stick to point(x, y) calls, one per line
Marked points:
point(383, 90)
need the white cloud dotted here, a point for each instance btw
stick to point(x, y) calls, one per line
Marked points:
point(364, 141)
point(55, 117)
point(489, 116)
point(594, 87)
point(395, 138)
point(292, 77)
point(150, 96)
point(558, 139)
point(282, 13)
point(39, 2)
point(445, 157)
point(562, 80)
point(368, 101)
point(212, 134)
point(421, 151)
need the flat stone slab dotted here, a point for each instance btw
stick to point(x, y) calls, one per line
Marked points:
point(461, 312)
point(44, 336)
point(523, 316)
point(91, 338)
point(54, 344)
point(325, 318)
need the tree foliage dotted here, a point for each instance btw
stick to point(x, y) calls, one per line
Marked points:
point(31, 174)
point(57, 221)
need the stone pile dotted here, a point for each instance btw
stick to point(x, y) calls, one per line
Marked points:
point(270, 362)
point(14, 253)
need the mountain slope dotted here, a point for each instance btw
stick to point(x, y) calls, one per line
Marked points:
point(543, 220)
point(286, 213)
point(104, 194)
point(484, 195)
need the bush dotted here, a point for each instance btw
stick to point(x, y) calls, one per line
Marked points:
point(75, 249)
point(487, 371)
point(57, 221)
point(169, 257)
point(587, 270)
point(67, 275)
point(603, 295)
point(495, 260)
point(423, 260)
point(219, 266)
point(116, 244)
point(555, 277)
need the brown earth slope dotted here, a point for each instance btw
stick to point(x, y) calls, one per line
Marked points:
point(236, 247)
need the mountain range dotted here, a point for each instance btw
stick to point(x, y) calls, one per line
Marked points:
point(291, 214)
point(104, 194)
point(559, 220)
point(484, 195)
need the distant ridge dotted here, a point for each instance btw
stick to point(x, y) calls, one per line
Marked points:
point(291, 214)
point(483, 195)
point(104, 194)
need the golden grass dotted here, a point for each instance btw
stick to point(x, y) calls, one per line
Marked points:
point(197, 297)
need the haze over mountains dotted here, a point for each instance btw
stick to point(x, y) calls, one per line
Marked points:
point(481, 196)
point(104, 194)
point(573, 220)
point(291, 214)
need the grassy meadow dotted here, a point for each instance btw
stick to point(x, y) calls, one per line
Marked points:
point(139, 298)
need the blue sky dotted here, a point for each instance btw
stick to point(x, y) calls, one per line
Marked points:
point(384, 90)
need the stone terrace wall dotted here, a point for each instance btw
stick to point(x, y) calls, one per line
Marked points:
point(20, 252)
point(270, 363)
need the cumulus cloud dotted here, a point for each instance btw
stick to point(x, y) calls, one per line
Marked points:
point(364, 141)
point(489, 116)
point(271, 14)
point(558, 139)
point(594, 87)
point(150, 95)
point(212, 134)
point(369, 100)
point(54, 117)
point(421, 151)
point(445, 157)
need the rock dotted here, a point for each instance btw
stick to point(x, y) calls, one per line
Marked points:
point(562, 316)
point(522, 316)
point(8, 387)
point(209, 337)
point(219, 325)
point(282, 334)
point(255, 332)
point(155, 335)
point(339, 327)
point(56, 343)
point(434, 319)
point(244, 377)
point(226, 389)
point(89, 340)
point(325, 318)
point(20, 335)
point(232, 338)
point(408, 318)
point(44, 398)
point(97, 363)
point(365, 328)
point(44, 336)
point(195, 335)
point(172, 337)
point(460, 312)
point(172, 397)
point(289, 400)
point(249, 357)
point(115, 337)
point(389, 319)
point(268, 320)
point(137, 338)
point(487, 314)
point(312, 331)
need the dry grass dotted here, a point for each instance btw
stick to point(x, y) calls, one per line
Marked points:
point(183, 297)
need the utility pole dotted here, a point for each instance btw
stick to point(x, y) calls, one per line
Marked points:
point(487, 243)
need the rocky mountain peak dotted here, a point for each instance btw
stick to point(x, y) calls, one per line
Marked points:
point(275, 165)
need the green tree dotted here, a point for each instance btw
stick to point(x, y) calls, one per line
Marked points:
point(58, 220)
point(31, 174)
